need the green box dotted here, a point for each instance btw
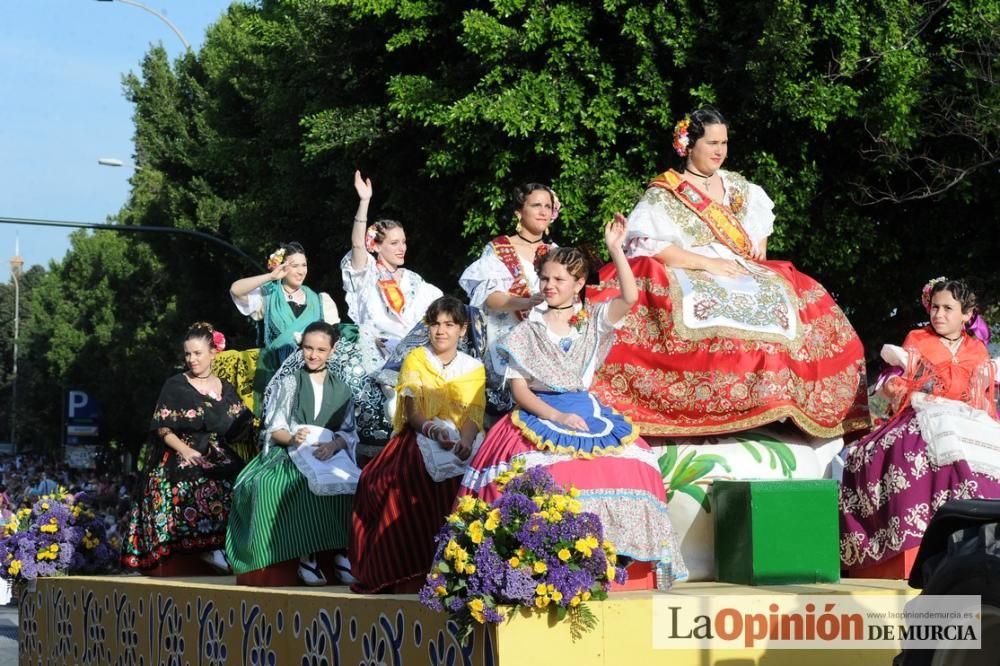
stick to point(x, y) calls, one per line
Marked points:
point(777, 531)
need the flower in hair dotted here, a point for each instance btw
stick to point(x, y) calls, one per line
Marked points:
point(371, 238)
point(925, 295)
point(681, 140)
point(218, 340)
point(276, 258)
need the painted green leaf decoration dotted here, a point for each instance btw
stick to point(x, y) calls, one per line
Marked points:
point(777, 451)
point(698, 494)
point(667, 460)
point(683, 476)
point(753, 451)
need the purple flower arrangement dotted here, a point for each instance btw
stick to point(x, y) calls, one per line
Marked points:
point(58, 535)
point(533, 548)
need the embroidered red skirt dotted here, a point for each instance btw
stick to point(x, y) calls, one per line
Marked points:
point(398, 510)
point(669, 385)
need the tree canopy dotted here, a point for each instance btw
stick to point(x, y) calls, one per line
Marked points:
point(873, 126)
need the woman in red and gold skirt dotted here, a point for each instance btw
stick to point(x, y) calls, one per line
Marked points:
point(722, 339)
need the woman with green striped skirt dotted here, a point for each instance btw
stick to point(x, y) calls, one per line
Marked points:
point(284, 505)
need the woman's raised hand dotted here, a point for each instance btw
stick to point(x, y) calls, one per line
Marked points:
point(279, 271)
point(363, 186)
point(614, 232)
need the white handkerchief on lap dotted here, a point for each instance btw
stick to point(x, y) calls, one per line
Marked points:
point(336, 476)
point(441, 463)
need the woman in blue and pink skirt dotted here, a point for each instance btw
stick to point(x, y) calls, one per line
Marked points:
point(558, 424)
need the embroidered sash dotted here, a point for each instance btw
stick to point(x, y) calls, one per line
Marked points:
point(507, 254)
point(720, 219)
point(392, 295)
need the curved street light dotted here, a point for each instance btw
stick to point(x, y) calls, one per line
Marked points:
point(115, 162)
point(135, 229)
point(158, 15)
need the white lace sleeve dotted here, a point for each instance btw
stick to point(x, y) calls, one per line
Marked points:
point(330, 313)
point(650, 228)
point(759, 220)
point(605, 327)
point(348, 430)
point(254, 307)
point(277, 414)
point(895, 356)
point(354, 286)
point(487, 275)
point(513, 372)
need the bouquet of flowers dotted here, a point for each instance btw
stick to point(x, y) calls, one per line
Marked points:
point(57, 535)
point(532, 547)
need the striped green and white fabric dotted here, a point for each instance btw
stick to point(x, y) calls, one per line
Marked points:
point(275, 517)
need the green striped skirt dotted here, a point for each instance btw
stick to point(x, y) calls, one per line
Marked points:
point(275, 517)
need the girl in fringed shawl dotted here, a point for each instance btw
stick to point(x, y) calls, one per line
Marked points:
point(282, 305)
point(399, 507)
point(558, 424)
point(278, 512)
point(941, 442)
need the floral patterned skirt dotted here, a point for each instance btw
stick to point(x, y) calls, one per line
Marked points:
point(175, 516)
point(891, 490)
point(671, 385)
point(624, 488)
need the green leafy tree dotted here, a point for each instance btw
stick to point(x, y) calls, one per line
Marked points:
point(109, 318)
point(873, 126)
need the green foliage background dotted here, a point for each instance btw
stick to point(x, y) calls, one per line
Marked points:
point(873, 126)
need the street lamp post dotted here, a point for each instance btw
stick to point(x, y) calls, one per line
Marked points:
point(158, 15)
point(16, 263)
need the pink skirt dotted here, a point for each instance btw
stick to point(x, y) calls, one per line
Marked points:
point(624, 488)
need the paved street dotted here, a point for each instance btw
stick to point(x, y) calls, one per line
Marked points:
point(8, 635)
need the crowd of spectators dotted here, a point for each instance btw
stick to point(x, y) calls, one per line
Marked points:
point(26, 477)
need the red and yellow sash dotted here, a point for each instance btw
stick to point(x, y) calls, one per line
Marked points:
point(507, 255)
point(719, 218)
point(391, 293)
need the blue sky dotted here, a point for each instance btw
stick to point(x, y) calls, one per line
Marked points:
point(62, 108)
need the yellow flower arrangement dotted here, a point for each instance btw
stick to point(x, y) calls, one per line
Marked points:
point(533, 547)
